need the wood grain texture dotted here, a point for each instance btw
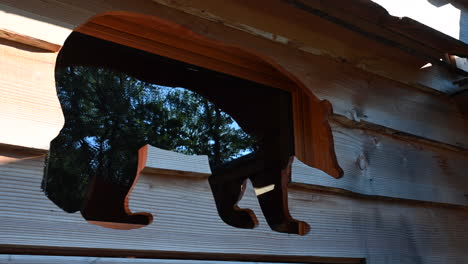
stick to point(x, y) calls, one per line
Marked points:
point(352, 92)
point(314, 143)
point(275, 21)
point(30, 114)
point(313, 138)
point(33, 25)
point(318, 31)
point(374, 19)
point(381, 166)
point(374, 164)
point(31, 259)
point(186, 222)
point(238, 68)
point(9, 35)
point(31, 117)
point(162, 161)
point(181, 40)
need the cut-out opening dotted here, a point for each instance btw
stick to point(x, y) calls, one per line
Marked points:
point(313, 139)
point(112, 110)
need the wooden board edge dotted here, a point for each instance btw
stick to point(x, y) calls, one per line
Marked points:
point(32, 250)
point(27, 40)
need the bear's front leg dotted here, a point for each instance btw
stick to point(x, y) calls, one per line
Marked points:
point(271, 188)
point(107, 200)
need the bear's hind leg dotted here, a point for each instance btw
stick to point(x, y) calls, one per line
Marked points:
point(227, 185)
point(227, 195)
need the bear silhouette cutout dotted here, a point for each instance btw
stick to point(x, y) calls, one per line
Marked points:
point(116, 100)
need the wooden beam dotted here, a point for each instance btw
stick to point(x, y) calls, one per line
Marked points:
point(30, 113)
point(288, 26)
point(251, 72)
point(358, 43)
point(165, 162)
point(32, 26)
point(34, 42)
point(371, 18)
point(189, 258)
point(383, 166)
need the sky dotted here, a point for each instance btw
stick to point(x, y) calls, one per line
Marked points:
point(445, 18)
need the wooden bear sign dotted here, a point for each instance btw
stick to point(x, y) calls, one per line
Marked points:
point(117, 99)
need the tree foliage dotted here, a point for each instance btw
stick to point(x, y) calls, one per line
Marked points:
point(110, 115)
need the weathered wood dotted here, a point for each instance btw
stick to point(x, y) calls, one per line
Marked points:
point(292, 26)
point(42, 119)
point(179, 39)
point(314, 136)
point(411, 31)
point(160, 161)
point(352, 92)
point(9, 35)
point(31, 117)
point(381, 166)
point(268, 76)
point(33, 24)
point(327, 37)
point(375, 164)
point(200, 259)
point(369, 19)
point(186, 222)
point(30, 113)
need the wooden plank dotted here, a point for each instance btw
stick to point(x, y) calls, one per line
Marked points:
point(32, 259)
point(160, 161)
point(30, 113)
point(271, 78)
point(33, 25)
point(411, 31)
point(415, 30)
point(290, 23)
point(186, 222)
point(9, 35)
point(179, 37)
point(382, 166)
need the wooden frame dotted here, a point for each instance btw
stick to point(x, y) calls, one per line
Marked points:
point(313, 137)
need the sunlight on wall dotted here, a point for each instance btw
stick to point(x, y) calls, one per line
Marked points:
point(33, 25)
point(445, 18)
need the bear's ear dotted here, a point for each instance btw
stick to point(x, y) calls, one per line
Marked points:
point(326, 107)
point(314, 144)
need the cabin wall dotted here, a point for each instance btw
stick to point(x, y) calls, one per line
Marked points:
point(399, 137)
point(186, 222)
